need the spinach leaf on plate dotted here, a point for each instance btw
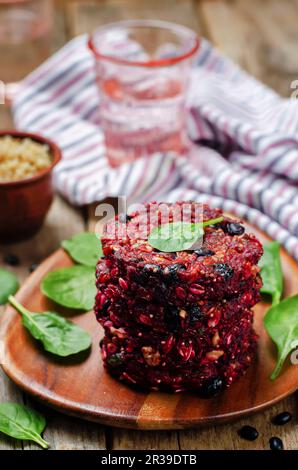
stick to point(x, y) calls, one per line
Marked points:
point(84, 248)
point(271, 272)
point(72, 287)
point(8, 285)
point(21, 422)
point(281, 323)
point(58, 335)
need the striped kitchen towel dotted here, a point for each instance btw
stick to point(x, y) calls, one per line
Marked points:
point(245, 142)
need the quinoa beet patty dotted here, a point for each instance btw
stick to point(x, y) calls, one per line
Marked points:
point(170, 318)
point(225, 263)
point(182, 360)
point(178, 320)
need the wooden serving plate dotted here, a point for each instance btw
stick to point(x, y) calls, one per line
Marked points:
point(80, 386)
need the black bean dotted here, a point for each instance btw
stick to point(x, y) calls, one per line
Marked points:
point(224, 270)
point(11, 259)
point(101, 343)
point(115, 360)
point(204, 252)
point(171, 272)
point(248, 433)
point(147, 272)
point(234, 228)
point(152, 268)
point(212, 387)
point(195, 315)
point(276, 443)
point(216, 226)
point(282, 418)
point(33, 267)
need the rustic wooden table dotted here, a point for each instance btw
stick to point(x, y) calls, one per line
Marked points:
point(262, 36)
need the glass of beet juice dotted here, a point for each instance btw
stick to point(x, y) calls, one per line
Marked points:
point(143, 71)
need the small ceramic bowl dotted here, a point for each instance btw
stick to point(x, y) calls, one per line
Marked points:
point(24, 203)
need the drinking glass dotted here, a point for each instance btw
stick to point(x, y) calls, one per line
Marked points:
point(143, 70)
point(25, 30)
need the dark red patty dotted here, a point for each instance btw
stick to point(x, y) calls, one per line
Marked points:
point(178, 321)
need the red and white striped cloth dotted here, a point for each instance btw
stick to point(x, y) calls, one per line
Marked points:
point(245, 153)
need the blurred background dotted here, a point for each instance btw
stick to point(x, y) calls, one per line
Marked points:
point(261, 35)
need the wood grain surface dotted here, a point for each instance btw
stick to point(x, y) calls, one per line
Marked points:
point(262, 36)
point(80, 386)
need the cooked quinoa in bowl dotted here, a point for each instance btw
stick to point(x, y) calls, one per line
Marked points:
point(22, 158)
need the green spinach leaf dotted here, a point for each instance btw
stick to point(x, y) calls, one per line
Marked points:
point(85, 248)
point(281, 323)
point(71, 287)
point(58, 335)
point(178, 236)
point(21, 422)
point(8, 285)
point(271, 272)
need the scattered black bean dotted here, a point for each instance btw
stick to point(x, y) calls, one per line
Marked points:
point(248, 433)
point(11, 259)
point(282, 418)
point(212, 387)
point(33, 267)
point(234, 228)
point(276, 443)
point(224, 270)
point(204, 252)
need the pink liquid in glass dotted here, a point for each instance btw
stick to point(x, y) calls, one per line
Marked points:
point(142, 106)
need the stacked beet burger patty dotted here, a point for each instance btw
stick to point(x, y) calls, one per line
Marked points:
point(178, 321)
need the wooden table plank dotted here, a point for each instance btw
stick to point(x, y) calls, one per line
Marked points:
point(225, 437)
point(260, 35)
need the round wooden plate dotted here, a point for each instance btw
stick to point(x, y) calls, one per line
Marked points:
point(80, 386)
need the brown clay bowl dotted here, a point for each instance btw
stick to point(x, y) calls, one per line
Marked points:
point(25, 203)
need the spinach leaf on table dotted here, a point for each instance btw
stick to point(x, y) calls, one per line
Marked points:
point(58, 335)
point(84, 248)
point(281, 323)
point(72, 287)
point(271, 271)
point(8, 285)
point(21, 422)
